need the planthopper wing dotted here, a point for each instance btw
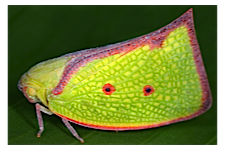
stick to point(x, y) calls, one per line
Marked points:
point(149, 81)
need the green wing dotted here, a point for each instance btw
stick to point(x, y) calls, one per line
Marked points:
point(169, 69)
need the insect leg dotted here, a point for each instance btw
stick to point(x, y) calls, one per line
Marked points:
point(72, 130)
point(40, 109)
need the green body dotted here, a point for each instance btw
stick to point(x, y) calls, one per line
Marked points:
point(170, 69)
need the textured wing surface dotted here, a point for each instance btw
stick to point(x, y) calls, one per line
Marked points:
point(169, 69)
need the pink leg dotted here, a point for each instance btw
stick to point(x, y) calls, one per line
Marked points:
point(69, 127)
point(40, 120)
point(40, 109)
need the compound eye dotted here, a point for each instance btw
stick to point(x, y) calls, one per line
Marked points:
point(31, 91)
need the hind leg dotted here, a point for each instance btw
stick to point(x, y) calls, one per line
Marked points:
point(72, 130)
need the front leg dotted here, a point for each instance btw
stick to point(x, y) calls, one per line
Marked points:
point(40, 109)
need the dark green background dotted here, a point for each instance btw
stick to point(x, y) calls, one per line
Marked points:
point(38, 33)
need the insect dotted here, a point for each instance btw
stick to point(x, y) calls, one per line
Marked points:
point(149, 81)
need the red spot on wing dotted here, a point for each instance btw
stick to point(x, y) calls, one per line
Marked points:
point(108, 89)
point(148, 89)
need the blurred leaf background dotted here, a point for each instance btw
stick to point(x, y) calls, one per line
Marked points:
point(37, 33)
